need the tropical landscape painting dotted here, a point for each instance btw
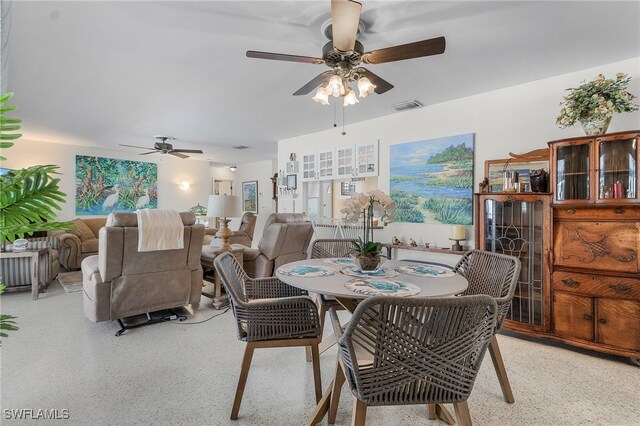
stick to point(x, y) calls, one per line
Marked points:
point(105, 185)
point(431, 181)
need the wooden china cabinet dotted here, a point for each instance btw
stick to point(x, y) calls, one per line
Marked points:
point(595, 269)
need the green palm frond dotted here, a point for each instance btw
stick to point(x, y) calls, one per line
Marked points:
point(28, 200)
point(6, 321)
point(7, 124)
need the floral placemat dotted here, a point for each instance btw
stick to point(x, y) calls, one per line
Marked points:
point(426, 270)
point(378, 273)
point(342, 261)
point(381, 286)
point(307, 271)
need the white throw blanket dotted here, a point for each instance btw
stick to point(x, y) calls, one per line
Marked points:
point(159, 230)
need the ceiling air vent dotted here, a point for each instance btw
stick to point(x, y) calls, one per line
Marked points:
point(403, 106)
point(240, 147)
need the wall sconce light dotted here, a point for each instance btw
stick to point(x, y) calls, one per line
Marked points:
point(184, 185)
point(233, 168)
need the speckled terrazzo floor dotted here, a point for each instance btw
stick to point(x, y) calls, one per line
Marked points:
point(179, 374)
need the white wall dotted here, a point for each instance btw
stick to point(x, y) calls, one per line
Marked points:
point(171, 171)
point(516, 119)
point(262, 171)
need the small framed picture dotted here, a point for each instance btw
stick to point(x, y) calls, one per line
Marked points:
point(250, 196)
point(292, 181)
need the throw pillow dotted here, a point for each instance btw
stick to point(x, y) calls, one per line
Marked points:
point(82, 230)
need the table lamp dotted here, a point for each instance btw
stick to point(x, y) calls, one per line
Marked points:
point(457, 235)
point(224, 206)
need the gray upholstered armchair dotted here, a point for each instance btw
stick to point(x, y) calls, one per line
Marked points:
point(121, 281)
point(244, 234)
point(285, 239)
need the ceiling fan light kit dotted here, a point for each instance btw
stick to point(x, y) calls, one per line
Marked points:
point(344, 54)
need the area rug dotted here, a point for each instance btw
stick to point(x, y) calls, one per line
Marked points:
point(71, 281)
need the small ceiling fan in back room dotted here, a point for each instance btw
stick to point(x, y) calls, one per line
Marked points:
point(166, 148)
point(344, 54)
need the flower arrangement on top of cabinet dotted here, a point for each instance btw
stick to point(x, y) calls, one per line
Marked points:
point(593, 103)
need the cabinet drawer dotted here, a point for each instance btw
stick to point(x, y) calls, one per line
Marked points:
point(597, 285)
point(609, 213)
point(607, 246)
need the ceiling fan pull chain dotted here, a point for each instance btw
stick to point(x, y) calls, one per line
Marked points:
point(335, 115)
point(343, 131)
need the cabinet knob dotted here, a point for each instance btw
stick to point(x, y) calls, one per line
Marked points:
point(602, 321)
point(571, 211)
point(588, 317)
point(571, 282)
point(619, 287)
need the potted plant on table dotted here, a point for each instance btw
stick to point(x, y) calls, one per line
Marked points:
point(593, 103)
point(374, 204)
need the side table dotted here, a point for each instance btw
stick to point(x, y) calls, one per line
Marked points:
point(220, 299)
point(390, 246)
point(37, 267)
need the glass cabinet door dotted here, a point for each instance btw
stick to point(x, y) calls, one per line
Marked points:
point(572, 166)
point(617, 174)
point(515, 228)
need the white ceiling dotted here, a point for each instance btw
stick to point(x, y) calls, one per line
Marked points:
point(105, 73)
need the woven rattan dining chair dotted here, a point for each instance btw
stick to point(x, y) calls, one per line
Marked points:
point(496, 275)
point(414, 351)
point(323, 249)
point(269, 314)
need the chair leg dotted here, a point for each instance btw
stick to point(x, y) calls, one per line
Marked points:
point(431, 412)
point(321, 311)
point(498, 364)
point(242, 381)
point(462, 413)
point(317, 379)
point(359, 412)
point(338, 381)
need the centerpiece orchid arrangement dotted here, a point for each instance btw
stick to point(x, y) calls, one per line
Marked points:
point(374, 204)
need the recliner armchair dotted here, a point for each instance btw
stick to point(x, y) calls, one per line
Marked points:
point(244, 234)
point(285, 239)
point(121, 281)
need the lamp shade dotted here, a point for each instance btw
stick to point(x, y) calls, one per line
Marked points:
point(224, 206)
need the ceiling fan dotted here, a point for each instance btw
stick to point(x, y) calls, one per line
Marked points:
point(166, 148)
point(344, 54)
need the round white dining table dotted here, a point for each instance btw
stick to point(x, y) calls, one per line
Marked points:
point(334, 285)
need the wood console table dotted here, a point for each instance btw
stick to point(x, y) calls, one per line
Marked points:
point(38, 264)
point(390, 246)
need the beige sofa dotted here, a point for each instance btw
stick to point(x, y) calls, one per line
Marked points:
point(285, 239)
point(121, 281)
point(80, 242)
point(244, 234)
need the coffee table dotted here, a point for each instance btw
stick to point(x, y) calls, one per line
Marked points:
point(208, 255)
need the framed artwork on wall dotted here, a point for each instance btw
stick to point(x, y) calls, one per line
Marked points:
point(292, 181)
point(105, 185)
point(250, 196)
point(431, 180)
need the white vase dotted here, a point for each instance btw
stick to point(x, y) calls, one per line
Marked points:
point(595, 126)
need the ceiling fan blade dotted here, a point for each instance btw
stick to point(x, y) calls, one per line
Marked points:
point(177, 154)
point(194, 151)
point(317, 81)
point(133, 146)
point(381, 84)
point(283, 57)
point(150, 152)
point(345, 17)
point(434, 46)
